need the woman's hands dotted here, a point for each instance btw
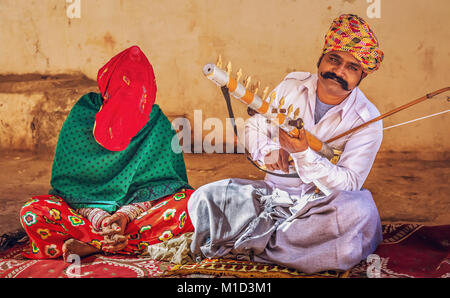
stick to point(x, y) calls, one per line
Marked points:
point(113, 228)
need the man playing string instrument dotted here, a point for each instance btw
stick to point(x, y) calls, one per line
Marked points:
point(323, 219)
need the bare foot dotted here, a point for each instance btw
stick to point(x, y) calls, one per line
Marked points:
point(73, 246)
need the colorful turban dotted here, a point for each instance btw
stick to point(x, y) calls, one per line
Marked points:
point(127, 84)
point(352, 34)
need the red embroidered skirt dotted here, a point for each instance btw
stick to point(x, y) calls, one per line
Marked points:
point(49, 222)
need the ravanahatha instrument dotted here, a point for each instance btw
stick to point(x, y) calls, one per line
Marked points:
point(281, 117)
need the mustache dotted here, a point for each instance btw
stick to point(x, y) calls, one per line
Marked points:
point(333, 76)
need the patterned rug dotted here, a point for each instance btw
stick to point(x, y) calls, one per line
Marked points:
point(244, 269)
point(409, 251)
point(13, 265)
point(406, 251)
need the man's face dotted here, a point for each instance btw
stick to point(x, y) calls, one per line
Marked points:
point(339, 73)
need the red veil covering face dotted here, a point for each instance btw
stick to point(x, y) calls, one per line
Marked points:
point(128, 87)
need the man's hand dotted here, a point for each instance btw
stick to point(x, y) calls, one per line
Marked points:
point(277, 160)
point(113, 228)
point(293, 145)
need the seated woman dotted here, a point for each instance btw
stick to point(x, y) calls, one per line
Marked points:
point(117, 183)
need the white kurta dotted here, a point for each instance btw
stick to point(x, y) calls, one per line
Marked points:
point(359, 148)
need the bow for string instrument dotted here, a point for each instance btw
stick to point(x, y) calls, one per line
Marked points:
point(255, 104)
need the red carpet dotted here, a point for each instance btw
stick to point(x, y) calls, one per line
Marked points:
point(13, 265)
point(410, 251)
point(407, 251)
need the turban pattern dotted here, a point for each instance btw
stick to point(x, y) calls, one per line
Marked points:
point(352, 34)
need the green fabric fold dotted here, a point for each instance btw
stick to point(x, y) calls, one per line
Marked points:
point(85, 174)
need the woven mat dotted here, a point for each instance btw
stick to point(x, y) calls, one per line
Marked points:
point(244, 269)
point(13, 265)
point(407, 250)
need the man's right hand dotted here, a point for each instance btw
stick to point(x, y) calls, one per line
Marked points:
point(277, 160)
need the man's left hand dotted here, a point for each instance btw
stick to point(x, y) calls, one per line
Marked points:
point(291, 144)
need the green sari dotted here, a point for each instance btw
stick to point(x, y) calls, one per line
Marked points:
point(85, 174)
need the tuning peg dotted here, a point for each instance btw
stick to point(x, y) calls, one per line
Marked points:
point(229, 68)
point(239, 74)
point(289, 111)
point(256, 88)
point(219, 61)
point(247, 82)
point(296, 113)
point(281, 103)
point(272, 97)
point(265, 92)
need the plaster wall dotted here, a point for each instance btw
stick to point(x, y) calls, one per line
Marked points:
point(267, 39)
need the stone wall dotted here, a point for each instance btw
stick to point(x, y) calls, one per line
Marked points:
point(268, 39)
point(34, 107)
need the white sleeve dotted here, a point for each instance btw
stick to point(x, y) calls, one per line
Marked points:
point(259, 132)
point(353, 167)
point(258, 138)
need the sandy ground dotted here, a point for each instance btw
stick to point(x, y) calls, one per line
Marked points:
point(404, 189)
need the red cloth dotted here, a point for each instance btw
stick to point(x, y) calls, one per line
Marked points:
point(49, 222)
point(128, 87)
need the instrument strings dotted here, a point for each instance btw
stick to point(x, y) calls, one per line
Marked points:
point(417, 119)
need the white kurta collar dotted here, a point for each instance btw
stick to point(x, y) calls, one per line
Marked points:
point(342, 108)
